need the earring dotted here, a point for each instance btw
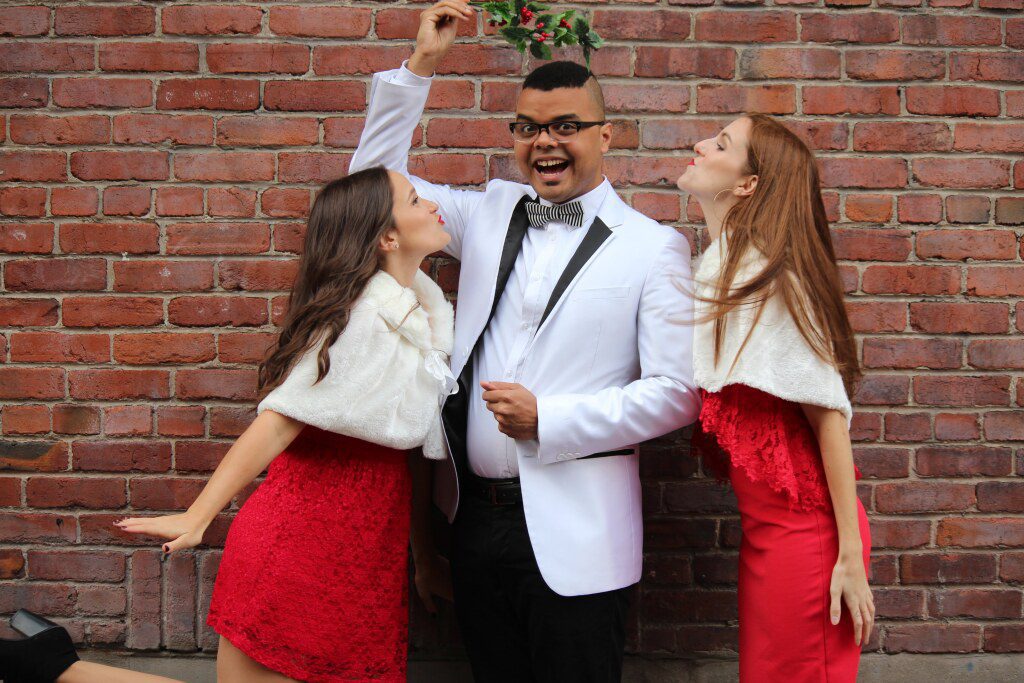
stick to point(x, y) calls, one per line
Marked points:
point(718, 193)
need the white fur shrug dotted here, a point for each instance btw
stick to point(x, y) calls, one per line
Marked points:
point(777, 359)
point(388, 371)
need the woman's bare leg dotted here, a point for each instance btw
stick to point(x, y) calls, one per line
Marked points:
point(90, 672)
point(234, 666)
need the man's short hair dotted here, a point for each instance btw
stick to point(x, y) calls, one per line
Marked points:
point(565, 74)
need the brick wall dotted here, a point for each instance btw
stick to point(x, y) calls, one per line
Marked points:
point(159, 157)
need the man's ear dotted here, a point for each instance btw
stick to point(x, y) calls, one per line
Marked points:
point(606, 138)
point(746, 187)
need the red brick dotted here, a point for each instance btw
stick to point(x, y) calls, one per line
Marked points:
point(679, 132)
point(266, 131)
point(963, 461)
point(962, 173)
point(230, 422)
point(957, 245)
point(894, 603)
point(24, 92)
point(1004, 426)
point(787, 62)
point(86, 492)
point(199, 456)
point(25, 419)
point(1003, 638)
point(334, 60)
point(75, 419)
point(36, 456)
point(106, 238)
point(987, 66)
point(31, 383)
point(179, 201)
point(121, 456)
point(320, 22)
point(995, 281)
point(162, 276)
point(285, 203)
point(882, 463)
point(220, 310)
point(33, 166)
point(56, 275)
point(24, 21)
point(37, 528)
point(997, 354)
point(127, 200)
point(74, 201)
point(949, 30)
point(653, 97)
point(242, 58)
point(244, 347)
point(218, 238)
point(120, 165)
point(908, 427)
point(956, 427)
point(657, 205)
point(208, 93)
point(233, 202)
point(908, 353)
point(871, 244)
point(976, 603)
point(962, 391)
point(104, 21)
point(46, 56)
point(987, 137)
point(923, 497)
point(392, 24)
point(455, 169)
point(768, 99)
point(1011, 567)
point(211, 20)
point(869, 208)
point(868, 27)
point(102, 92)
point(894, 65)
point(748, 27)
point(967, 209)
point(482, 60)
point(877, 316)
point(155, 348)
point(224, 166)
point(179, 608)
point(443, 132)
point(1010, 211)
point(900, 533)
point(959, 318)
point(29, 202)
point(288, 238)
point(128, 421)
point(882, 390)
point(919, 208)
point(845, 99)
point(645, 24)
point(231, 385)
point(314, 96)
point(165, 493)
point(65, 130)
point(953, 101)
point(115, 384)
point(59, 347)
point(704, 62)
point(96, 311)
point(180, 129)
point(87, 565)
point(158, 56)
point(1015, 30)
point(257, 276)
point(902, 136)
point(981, 532)
point(181, 420)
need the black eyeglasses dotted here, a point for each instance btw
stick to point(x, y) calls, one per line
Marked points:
point(561, 131)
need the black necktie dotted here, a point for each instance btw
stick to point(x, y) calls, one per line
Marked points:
point(541, 214)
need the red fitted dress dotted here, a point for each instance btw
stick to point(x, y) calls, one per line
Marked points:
point(766, 447)
point(314, 581)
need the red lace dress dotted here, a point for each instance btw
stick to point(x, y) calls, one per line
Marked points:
point(314, 580)
point(766, 447)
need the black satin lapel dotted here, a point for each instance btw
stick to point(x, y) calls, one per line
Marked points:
point(517, 227)
point(594, 238)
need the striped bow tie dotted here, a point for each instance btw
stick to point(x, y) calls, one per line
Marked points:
point(541, 214)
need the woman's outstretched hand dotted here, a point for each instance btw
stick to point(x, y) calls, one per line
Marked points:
point(182, 530)
point(433, 577)
point(850, 587)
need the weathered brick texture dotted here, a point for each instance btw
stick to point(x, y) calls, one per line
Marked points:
point(158, 160)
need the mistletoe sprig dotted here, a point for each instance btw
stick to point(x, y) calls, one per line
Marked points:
point(513, 17)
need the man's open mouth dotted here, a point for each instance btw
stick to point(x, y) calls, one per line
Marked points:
point(551, 169)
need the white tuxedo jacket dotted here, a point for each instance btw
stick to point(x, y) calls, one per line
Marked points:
point(610, 365)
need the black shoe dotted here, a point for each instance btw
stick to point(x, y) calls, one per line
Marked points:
point(42, 657)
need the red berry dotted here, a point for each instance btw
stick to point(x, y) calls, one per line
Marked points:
point(541, 39)
point(540, 24)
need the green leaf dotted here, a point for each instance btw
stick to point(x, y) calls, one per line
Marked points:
point(515, 33)
point(540, 50)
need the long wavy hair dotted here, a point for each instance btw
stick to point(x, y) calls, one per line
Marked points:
point(339, 256)
point(785, 220)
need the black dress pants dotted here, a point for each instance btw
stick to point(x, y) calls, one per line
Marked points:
point(515, 628)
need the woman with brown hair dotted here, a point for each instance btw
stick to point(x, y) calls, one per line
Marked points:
point(313, 581)
point(775, 358)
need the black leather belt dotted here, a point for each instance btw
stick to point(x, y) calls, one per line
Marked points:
point(508, 491)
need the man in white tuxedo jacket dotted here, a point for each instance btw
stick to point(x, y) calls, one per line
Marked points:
point(571, 347)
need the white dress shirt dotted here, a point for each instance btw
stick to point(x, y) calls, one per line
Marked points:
point(501, 354)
